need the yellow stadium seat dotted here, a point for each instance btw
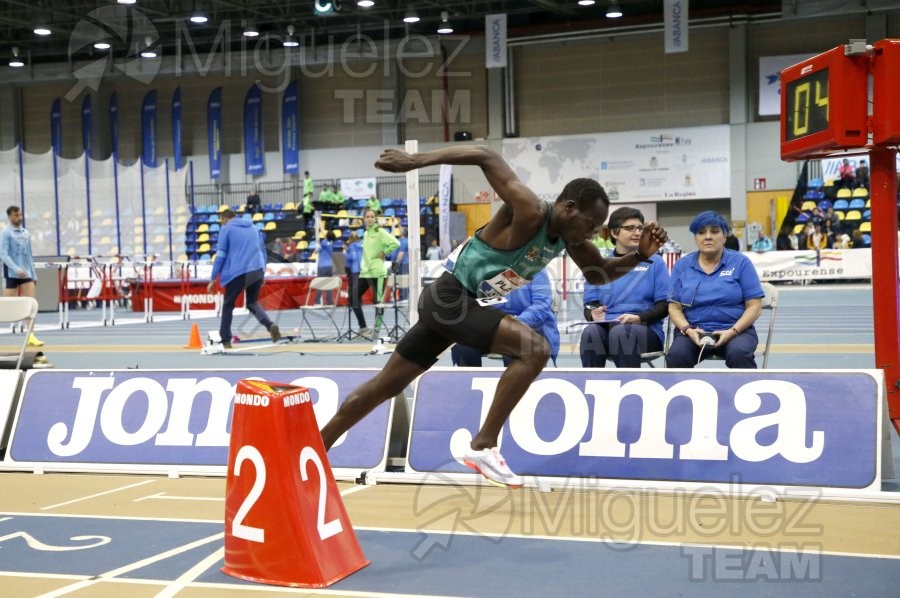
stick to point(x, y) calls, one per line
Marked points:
point(204, 248)
point(808, 206)
point(854, 215)
point(182, 257)
point(182, 209)
point(289, 207)
point(299, 235)
point(844, 193)
point(840, 215)
point(105, 241)
point(222, 208)
point(204, 238)
point(202, 228)
point(865, 227)
point(868, 203)
point(860, 192)
point(798, 228)
point(302, 245)
point(159, 239)
point(342, 214)
point(159, 211)
point(258, 217)
point(138, 220)
point(270, 225)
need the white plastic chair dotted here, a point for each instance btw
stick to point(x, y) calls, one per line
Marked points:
point(17, 309)
point(329, 288)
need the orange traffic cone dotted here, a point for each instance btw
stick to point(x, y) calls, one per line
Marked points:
point(194, 341)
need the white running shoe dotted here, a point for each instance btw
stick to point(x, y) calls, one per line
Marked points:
point(491, 464)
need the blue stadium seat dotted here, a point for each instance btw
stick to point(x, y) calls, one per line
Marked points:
point(867, 215)
point(867, 238)
point(857, 203)
point(824, 205)
point(841, 204)
point(816, 183)
point(803, 217)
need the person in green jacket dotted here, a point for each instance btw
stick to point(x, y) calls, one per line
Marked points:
point(374, 204)
point(377, 243)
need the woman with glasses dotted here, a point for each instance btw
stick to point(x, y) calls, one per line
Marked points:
point(625, 316)
point(716, 298)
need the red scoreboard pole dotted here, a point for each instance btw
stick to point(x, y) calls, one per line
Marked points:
point(885, 279)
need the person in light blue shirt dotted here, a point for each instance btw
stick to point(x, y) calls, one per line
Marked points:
point(534, 306)
point(324, 261)
point(400, 260)
point(241, 265)
point(716, 299)
point(19, 276)
point(625, 315)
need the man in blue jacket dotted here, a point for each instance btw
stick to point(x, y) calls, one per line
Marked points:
point(241, 263)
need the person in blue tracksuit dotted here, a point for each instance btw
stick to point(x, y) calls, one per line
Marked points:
point(715, 293)
point(241, 265)
point(533, 305)
point(626, 314)
point(19, 276)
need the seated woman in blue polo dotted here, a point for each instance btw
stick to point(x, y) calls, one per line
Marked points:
point(625, 315)
point(716, 298)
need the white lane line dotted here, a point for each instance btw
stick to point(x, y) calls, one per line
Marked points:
point(191, 574)
point(69, 502)
point(131, 567)
point(164, 496)
point(352, 489)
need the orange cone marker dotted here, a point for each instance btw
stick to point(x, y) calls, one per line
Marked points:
point(194, 340)
point(285, 521)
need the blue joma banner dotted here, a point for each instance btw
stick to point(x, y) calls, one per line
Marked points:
point(170, 418)
point(149, 129)
point(56, 127)
point(214, 132)
point(773, 428)
point(86, 125)
point(176, 127)
point(290, 130)
point(114, 124)
point(254, 157)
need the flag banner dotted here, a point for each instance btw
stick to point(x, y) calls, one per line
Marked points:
point(495, 49)
point(86, 124)
point(176, 127)
point(114, 124)
point(445, 194)
point(676, 25)
point(254, 158)
point(56, 127)
point(214, 132)
point(148, 129)
point(290, 130)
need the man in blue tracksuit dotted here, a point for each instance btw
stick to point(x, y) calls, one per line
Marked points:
point(532, 305)
point(241, 263)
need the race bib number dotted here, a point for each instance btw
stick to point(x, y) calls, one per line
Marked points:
point(502, 284)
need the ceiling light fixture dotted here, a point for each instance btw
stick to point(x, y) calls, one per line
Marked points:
point(613, 12)
point(290, 41)
point(250, 31)
point(587, 2)
point(102, 45)
point(198, 17)
point(16, 62)
point(42, 30)
point(411, 16)
point(444, 28)
point(148, 52)
point(365, 3)
point(126, 1)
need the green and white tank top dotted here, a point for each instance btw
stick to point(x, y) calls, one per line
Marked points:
point(488, 272)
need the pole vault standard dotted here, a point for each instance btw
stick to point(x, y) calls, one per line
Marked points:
point(413, 235)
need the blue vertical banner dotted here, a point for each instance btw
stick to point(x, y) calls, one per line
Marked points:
point(56, 127)
point(214, 132)
point(176, 127)
point(148, 129)
point(114, 124)
point(290, 129)
point(86, 125)
point(254, 158)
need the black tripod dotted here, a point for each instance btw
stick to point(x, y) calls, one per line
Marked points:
point(352, 288)
point(397, 330)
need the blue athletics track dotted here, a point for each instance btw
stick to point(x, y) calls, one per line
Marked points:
point(79, 534)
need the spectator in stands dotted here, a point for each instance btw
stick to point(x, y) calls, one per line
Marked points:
point(306, 209)
point(716, 295)
point(374, 204)
point(602, 240)
point(534, 306)
point(353, 252)
point(626, 314)
point(308, 188)
point(324, 262)
point(337, 198)
point(732, 242)
point(289, 250)
point(831, 215)
point(19, 276)
point(326, 198)
point(434, 251)
point(253, 205)
point(241, 262)
point(817, 238)
point(842, 241)
point(862, 174)
point(783, 240)
point(377, 243)
point(845, 173)
point(859, 240)
point(277, 246)
point(762, 244)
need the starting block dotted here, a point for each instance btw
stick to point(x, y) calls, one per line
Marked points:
point(285, 522)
